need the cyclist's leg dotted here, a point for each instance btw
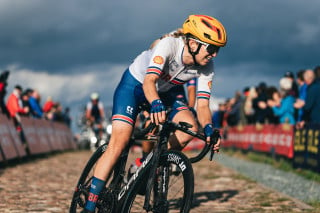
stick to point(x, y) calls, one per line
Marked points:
point(121, 133)
point(176, 99)
point(181, 112)
point(124, 113)
point(147, 147)
point(82, 189)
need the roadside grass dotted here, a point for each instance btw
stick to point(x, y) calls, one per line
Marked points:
point(279, 163)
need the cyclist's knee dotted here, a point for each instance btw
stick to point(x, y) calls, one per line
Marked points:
point(179, 140)
point(121, 133)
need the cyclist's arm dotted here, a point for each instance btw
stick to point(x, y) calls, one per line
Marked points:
point(149, 87)
point(191, 96)
point(162, 52)
point(203, 100)
point(204, 117)
point(191, 89)
point(88, 114)
point(204, 113)
point(150, 91)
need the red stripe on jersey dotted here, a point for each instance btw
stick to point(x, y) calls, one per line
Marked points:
point(203, 95)
point(153, 71)
point(177, 82)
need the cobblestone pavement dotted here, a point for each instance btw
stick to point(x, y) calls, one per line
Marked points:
point(46, 185)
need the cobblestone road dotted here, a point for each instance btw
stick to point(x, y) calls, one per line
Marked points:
point(46, 185)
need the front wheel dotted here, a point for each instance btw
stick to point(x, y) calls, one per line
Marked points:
point(172, 190)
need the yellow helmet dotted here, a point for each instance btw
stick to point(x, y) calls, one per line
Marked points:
point(206, 29)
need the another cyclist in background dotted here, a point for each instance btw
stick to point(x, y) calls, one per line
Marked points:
point(95, 114)
point(172, 62)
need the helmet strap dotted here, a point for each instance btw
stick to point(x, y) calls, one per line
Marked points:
point(193, 54)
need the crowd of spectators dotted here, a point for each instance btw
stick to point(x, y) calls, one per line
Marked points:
point(295, 101)
point(27, 103)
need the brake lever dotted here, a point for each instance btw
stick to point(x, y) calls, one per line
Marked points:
point(213, 141)
point(211, 154)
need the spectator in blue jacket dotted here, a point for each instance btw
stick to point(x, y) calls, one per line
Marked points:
point(285, 109)
point(311, 106)
point(217, 117)
point(35, 108)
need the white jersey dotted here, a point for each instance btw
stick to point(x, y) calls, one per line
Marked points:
point(90, 105)
point(165, 60)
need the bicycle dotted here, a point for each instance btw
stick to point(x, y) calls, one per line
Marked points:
point(165, 190)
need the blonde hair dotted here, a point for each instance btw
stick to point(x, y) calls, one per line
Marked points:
point(176, 34)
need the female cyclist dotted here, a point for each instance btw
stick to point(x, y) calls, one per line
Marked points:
point(172, 62)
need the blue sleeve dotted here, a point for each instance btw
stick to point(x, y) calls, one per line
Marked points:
point(285, 106)
point(311, 97)
point(35, 107)
point(303, 92)
point(192, 82)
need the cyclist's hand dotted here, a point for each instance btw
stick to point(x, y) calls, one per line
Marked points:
point(158, 112)
point(208, 132)
point(216, 147)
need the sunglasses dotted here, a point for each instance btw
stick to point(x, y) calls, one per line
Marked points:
point(211, 49)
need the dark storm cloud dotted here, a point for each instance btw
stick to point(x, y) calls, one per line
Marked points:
point(265, 38)
point(58, 35)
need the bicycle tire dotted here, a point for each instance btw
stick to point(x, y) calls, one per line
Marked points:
point(79, 196)
point(181, 203)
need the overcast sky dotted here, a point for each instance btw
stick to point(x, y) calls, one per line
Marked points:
point(68, 49)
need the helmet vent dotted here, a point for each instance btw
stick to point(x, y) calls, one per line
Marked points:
point(219, 33)
point(207, 24)
point(212, 28)
point(207, 36)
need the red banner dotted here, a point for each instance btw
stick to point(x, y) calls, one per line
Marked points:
point(263, 138)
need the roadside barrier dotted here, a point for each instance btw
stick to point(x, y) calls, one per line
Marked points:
point(300, 146)
point(275, 139)
point(36, 136)
point(307, 148)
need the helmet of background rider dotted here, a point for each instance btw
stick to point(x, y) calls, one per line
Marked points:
point(206, 29)
point(94, 96)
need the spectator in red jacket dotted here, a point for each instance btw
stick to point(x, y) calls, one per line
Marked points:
point(14, 103)
point(48, 107)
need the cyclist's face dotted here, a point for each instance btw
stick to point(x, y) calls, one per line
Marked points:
point(204, 56)
point(206, 52)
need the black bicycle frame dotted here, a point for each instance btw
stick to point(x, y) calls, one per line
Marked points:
point(159, 149)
